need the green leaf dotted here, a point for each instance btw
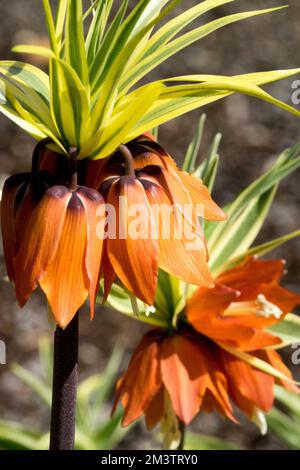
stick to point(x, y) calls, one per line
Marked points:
point(180, 99)
point(119, 300)
point(106, 140)
point(194, 147)
point(32, 381)
point(165, 51)
point(75, 42)
point(195, 441)
point(242, 231)
point(284, 427)
point(257, 363)
point(99, 58)
point(207, 171)
point(97, 27)
point(177, 24)
point(290, 400)
point(51, 27)
point(264, 248)
point(27, 102)
point(155, 132)
point(60, 20)
point(33, 50)
point(27, 75)
point(69, 104)
point(28, 127)
point(288, 330)
point(127, 37)
point(46, 358)
point(121, 55)
point(228, 240)
point(14, 436)
point(111, 433)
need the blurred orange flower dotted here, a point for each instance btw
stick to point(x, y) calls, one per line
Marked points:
point(214, 356)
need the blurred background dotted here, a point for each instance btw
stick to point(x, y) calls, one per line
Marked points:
point(254, 133)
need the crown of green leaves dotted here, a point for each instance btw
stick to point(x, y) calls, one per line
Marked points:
point(92, 97)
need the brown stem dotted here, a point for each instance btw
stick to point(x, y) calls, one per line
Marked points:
point(73, 168)
point(128, 158)
point(36, 156)
point(182, 432)
point(65, 379)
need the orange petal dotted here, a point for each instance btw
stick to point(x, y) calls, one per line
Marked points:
point(204, 312)
point(183, 375)
point(209, 304)
point(200, 194)
point(94, 172)
point(55, 164)
point(250, 275)
point(107, 272)
point(248, 387)
point(155, 410)
point(40, 241)
point(282, 298)
point(182, 255)
point(275, 360)
point(65, 281)
point(141, 382)
point(92, 200)
point(216, 395)
point(10, 192)
point(135, 260)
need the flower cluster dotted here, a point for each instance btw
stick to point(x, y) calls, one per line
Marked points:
point(220, 352)
point(51, 227)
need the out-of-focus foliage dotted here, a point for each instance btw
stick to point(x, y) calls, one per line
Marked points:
point(204, 442)
point(95, 430)
point(284, 419)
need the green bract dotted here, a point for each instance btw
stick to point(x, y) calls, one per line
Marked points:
point(92, 97)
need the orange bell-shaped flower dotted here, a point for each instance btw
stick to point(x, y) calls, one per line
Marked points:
point(143, 174)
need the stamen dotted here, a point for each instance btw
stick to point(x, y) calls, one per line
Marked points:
point(260, 307)
point(267, 308)
point(149, 309)
point(170, 426)
point(259, 419)
point(134, 305)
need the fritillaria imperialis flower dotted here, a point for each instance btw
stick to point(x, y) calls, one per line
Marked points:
point(143, 174)
point(219, 354)
point(50, 238)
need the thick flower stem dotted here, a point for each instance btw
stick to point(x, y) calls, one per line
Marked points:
point(73, 169)
point(128, 159)
point(182, 433)
point(65, 379)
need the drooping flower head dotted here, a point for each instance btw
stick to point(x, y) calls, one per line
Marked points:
point(54, 238)
point(142, 175)
point(221, 352)
point(50, 237)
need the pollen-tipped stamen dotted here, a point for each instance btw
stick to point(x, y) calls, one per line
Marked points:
point(267, 308)
point(260, 307)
